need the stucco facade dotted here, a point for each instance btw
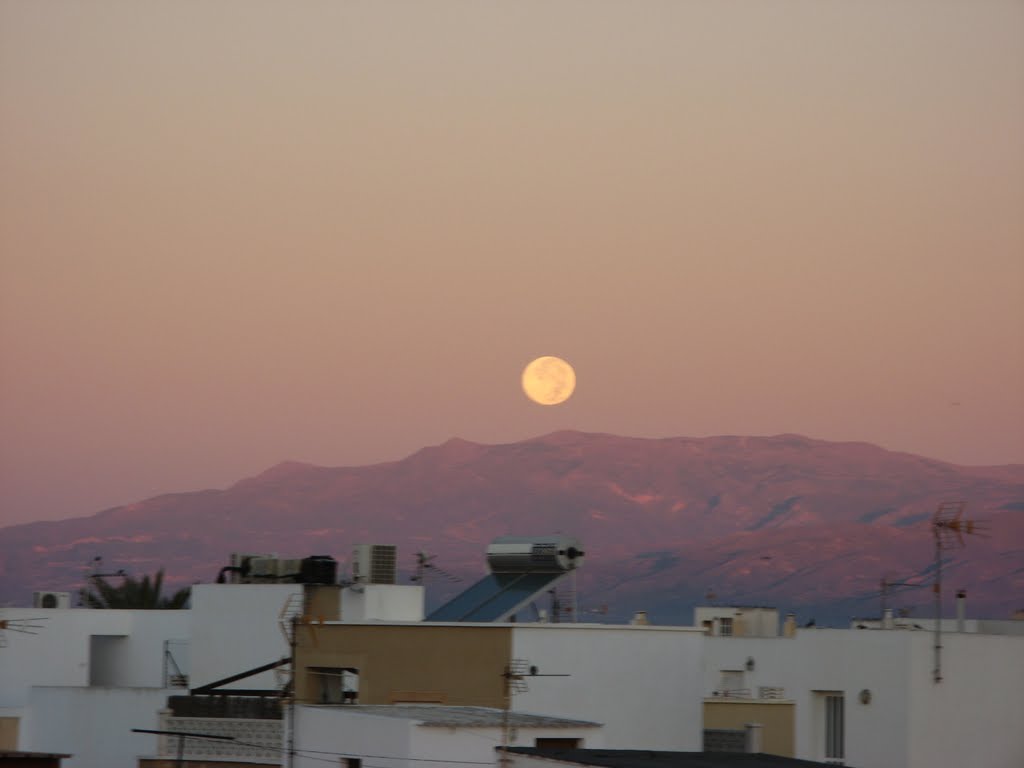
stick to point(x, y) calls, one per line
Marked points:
point(893, 714)
point(642, 683)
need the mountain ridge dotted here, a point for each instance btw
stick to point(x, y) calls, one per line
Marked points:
point(787, 518)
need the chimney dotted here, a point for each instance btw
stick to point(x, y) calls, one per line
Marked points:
point(961, 609)
point(887, 621)
point(753, 738)
point(789, 625)
point(640, 618)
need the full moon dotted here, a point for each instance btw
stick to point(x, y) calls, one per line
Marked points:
point(549, 380)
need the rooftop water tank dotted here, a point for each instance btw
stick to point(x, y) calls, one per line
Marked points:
point(526, 554)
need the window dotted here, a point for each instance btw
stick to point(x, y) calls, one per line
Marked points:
point(334, 685)
point(725, 627)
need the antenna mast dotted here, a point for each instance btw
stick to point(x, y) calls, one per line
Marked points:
point(948, 527)
point(514, 673)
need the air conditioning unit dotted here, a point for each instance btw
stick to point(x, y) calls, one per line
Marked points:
point(244, 561)
point(289, 569)
point(51, 599)
point(374, 564)
point(274, 570)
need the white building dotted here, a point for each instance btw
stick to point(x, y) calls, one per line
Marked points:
point(642, 683)
point(868, 698)
point(88, 677)
point(390, 736)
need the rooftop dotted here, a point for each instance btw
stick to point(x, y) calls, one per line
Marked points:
point(443, 716)
point(642, 758)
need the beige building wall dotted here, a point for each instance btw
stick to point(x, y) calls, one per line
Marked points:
point(9, 734)
point(322, 602)
point(165, 762)
point(457, 665)
point(775, 717)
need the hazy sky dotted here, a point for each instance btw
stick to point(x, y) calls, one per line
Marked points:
point(236, 232)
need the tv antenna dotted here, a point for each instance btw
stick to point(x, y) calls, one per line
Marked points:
point(425, 565)
point(515, 673)
point(96, 564)
point(97, 570)
point(887, 584)
point(948, 528)
point(25, 626)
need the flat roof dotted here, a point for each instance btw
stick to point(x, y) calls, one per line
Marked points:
point(444, 716)
point(6, 755)
point(517, 625)
point(641, 758)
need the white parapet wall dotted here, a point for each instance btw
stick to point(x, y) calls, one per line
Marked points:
point(236, 627)
point(894, 715)
point(94, 725)
point(382, 602)
point(643, 683)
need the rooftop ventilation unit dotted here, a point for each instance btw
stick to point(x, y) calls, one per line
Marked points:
point(51, 599)
point(375, 564)
point(273, 570)
point(242, 566)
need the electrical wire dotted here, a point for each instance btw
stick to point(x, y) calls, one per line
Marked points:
point(309, 754)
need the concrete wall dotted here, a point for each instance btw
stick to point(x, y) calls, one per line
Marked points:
point(478, 744)
point(462, 662)
point(235, 628)
point(387, 742)
point(61, 652)
point(643, 683)
point(975, 716)
point(816, 660)
point(94, 724)
point(775, 717)
point(325, 729)
point(10, 729)
point(382, 602)
point(972, 718)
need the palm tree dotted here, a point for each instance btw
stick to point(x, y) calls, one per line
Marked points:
point(141, 593)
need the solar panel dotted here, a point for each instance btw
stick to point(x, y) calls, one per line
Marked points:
point(496, 597)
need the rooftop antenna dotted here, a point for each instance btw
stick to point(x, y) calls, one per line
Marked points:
point(97, 568)
point(425, 565)
point(515, 672)
point(886, 583)
point(97, 573)
point(25, 626)
point(948, 528)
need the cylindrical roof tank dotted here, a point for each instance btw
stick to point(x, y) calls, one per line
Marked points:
point(522, 554)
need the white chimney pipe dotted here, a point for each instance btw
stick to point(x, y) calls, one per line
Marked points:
point(887, 620)
point(753, 738)
point(961, 609)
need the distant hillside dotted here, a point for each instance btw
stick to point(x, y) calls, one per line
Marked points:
point(785, 520)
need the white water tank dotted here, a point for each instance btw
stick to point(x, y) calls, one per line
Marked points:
point(525, 554)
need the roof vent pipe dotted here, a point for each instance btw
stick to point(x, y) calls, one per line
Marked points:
point(961, 609)
point(752, 742)
point(887, 621)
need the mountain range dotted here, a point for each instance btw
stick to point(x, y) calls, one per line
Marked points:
point(807, 525)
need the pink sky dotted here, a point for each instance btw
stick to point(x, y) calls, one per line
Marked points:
point(238, 232)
